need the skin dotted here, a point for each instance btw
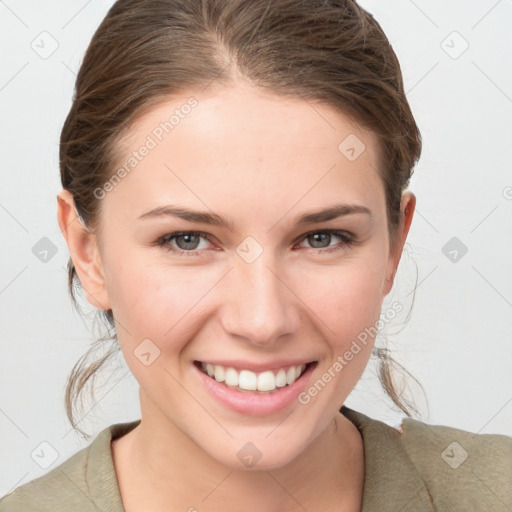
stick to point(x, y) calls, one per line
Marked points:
point(259, 161)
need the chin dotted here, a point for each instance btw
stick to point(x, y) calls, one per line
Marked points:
point(259, 462)
point(258, 455)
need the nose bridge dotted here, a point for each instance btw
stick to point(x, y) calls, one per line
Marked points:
point(261, 306)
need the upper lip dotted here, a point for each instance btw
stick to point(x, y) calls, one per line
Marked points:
point(239, 364)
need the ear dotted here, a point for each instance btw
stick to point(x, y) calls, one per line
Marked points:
point(407, 207)
point(83, 249)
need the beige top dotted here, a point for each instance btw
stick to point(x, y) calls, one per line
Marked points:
point(423, 468)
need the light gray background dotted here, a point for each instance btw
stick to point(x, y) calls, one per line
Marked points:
point(457, 342)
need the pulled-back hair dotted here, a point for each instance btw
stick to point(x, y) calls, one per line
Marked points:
point(146, 51)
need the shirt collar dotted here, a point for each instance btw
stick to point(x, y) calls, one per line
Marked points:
point(100, 473)
point(391, 481)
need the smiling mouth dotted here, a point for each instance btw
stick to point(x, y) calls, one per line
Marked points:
point(269, 381)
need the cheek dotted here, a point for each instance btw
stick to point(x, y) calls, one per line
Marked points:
point(149, 299)
point(346, 298)
point(156, 303)
point(347, 302)
point(166, 303)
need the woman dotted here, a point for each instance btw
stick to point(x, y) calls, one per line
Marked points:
point(234, 200)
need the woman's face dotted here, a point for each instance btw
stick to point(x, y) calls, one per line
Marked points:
point(255, 283)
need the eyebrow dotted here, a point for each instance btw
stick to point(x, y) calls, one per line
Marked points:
point(330, 213)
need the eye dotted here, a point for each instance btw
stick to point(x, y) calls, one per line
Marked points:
point(186, 241)
point(318, 239)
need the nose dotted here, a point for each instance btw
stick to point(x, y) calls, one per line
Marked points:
point(259, 306)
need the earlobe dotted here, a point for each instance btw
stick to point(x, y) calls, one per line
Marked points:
point(84, 251)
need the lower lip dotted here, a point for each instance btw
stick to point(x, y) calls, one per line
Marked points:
point(254, 404)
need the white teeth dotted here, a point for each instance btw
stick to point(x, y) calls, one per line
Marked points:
point(290, 375)
point(266, 381)
point(281, 379)
point(219, 373)
point(231, 376)
point(250, 381)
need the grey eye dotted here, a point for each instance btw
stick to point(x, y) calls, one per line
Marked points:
point(191, 241)
point(319, 238)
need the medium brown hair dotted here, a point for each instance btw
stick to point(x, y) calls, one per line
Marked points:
point(146, 51)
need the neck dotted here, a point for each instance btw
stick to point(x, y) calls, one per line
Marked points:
point(157, 465)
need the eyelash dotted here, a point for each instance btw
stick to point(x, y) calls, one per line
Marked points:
point(347, 241)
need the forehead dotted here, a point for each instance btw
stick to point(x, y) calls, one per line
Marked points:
point(247, 146)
